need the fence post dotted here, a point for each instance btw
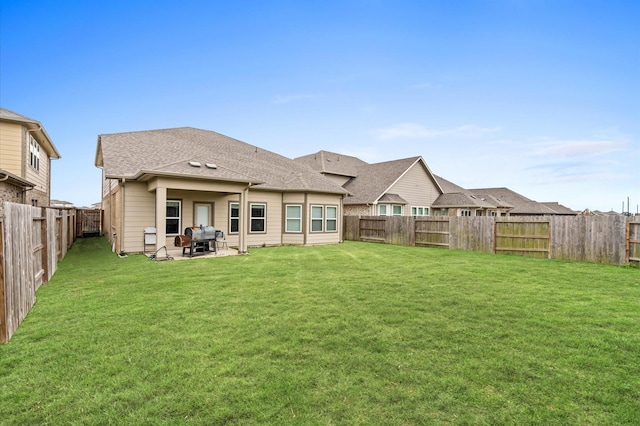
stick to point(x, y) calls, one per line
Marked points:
point(3, 302)
point(627, 244)
point(44, 253)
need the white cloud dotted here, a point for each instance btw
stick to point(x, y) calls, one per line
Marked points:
point(418, 131)
point(285, 99)
point(577, 148)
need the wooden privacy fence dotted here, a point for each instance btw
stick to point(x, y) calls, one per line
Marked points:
point(598, 239)
point(32, 241)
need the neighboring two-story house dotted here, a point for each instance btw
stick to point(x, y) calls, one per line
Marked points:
point(26, 151)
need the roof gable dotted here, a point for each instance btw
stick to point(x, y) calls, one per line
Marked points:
point(35, 127)
point(373, 181)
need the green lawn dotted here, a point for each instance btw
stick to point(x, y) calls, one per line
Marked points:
point(349, 334)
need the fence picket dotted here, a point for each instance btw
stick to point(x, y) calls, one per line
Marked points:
point(598, 239)
point(30, 240)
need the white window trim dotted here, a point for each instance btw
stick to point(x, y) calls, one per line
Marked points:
point(251, 218)
point(415, 209)
point(287, 218)
point(34, 153)
point(173, 217)
point(393, 206)
point(316, 219)
point(327, 219)
point(231, 218)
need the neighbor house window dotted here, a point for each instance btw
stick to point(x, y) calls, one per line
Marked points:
point(34, 153)
point(493, 213)
point(317, 218)
point(173, 217)
point(382, 210)
point(258, 219)
point(331, 219)
point(397, 210)
point(293, 218)
point(465, 212)
point(234, 218)
point(419, 211)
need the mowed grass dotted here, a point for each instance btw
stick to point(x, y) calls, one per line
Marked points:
point(349, 334)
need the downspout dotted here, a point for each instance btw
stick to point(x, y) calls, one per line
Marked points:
point(244, 222)
point(122, 217)
point(283, 221)
point(305, 210)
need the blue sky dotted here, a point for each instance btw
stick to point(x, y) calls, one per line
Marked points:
point(542, 97)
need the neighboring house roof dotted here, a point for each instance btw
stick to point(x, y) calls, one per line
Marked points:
point(9, 177)
point(521, 204)
point(448, 186)
point(558, 208)
point(392, 198)
point(374, 180)
point(456, 196)
point(34, 126)
point(464, 199)
point(203, 154)
point(332, 163)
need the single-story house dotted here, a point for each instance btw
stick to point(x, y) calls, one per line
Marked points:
point(457, 201)
point(407, 187)
point(404, 187)
point(171, 179)
point(521, 205)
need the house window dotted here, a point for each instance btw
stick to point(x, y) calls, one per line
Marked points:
point(332, 219)
point(419, 211)
point(234, 218)
point(317, 218)
point(173, 217)
point(397, 210)
point(465, 212)
point(493, 213)
point(258, 219)
point(293, 220)
point(382, 210)
point(34, 154)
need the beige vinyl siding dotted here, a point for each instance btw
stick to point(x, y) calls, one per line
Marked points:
point(293, 238)
point(39, 177)
point(324, 237)
point(274, 229)
point(11, 148)
point(416, 188)
point(139, 213)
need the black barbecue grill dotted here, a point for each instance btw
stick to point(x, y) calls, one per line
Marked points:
point(197, 239)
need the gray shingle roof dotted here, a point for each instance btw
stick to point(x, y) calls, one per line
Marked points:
point(464, 199)
point(448, 186)
point(558, 208)
point(374, 179)
point(333, 163)
point(521, 204)
point(169, 151)
point(14, 116)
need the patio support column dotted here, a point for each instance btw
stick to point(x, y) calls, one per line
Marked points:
point(161, 217)
point(242, 225)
